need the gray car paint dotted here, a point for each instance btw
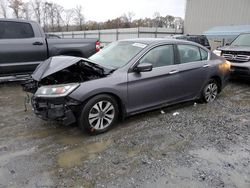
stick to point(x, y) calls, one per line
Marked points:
point(139, 92)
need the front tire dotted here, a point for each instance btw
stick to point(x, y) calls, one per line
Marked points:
point(210, 91)
point(99, 114)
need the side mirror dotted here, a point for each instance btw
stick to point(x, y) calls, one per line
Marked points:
point(143, 67)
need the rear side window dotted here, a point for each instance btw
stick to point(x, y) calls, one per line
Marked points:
point(15, 30)
point(189, 53)
point(204, 54)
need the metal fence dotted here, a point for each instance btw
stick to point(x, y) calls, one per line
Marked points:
point(110, 35)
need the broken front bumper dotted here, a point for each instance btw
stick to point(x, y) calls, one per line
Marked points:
point(57, 109)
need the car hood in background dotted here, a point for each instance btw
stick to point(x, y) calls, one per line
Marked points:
point(235, 48)
point(55, 64)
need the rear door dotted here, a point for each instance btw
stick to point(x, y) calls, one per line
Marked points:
point(157, 87)
point(193, 69)
point(21, 49)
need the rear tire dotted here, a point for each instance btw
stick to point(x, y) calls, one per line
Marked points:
point(99, 114)
point(210, 91)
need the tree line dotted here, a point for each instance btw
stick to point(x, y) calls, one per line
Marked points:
point(54, 17)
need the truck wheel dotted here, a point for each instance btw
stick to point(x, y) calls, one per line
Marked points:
point(99, 114)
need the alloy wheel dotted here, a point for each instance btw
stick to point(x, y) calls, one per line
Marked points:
point(211, 92)
point(101, 115)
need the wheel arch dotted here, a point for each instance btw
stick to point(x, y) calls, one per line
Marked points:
point(121, 105)
point(218, 80)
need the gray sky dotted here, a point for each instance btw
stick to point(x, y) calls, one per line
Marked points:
point(102, 10)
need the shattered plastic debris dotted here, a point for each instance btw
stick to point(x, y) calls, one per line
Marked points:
point(176, 113)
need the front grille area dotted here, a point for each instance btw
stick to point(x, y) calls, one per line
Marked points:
point(236, 56)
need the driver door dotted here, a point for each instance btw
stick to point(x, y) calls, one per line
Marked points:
point(158, 86)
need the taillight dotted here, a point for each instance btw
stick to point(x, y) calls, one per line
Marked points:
point(97, 46)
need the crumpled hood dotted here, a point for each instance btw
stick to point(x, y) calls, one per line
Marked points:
point(55, 64)
point(235, 48)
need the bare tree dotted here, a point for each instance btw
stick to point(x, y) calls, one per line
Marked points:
point(37, 6)
point(16, 6)
point(126, 19)
point(3, 8)
point(51, 13)
point(178, 23)
point(58, 15)
point(130, 16)
point(49, 16)
point(27, 13)
point(169, 21)
point(45, 16)
point(67, 17)
point(157, 19)
point(79, 18)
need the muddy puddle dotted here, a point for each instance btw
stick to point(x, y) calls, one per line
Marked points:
point(78, 155)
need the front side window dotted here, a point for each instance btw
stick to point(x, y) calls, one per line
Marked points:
point(15, 30)
point(189, 53)
point(159, 56)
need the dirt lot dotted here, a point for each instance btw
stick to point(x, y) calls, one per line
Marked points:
point(206, 145)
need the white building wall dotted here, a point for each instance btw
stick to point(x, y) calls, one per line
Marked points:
point(202, 15)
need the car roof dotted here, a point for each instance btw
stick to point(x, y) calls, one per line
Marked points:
point(152, 41)
point(189, 36)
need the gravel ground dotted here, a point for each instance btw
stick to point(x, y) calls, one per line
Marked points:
point(205, 145)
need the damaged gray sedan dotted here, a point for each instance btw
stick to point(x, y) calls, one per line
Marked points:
point(125, 78)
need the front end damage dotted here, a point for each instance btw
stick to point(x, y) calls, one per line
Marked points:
point(59, 109)
point(54, 80)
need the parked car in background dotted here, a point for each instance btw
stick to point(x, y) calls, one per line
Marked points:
point(238, 53)
point(125, 78)
point(24, 45)
point(200, 39)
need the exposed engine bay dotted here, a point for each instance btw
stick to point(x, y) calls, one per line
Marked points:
point(81, 71)
point(75, 73)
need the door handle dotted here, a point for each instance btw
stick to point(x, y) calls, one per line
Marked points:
point(173, 72)
point(37, 43)
point(206, 65)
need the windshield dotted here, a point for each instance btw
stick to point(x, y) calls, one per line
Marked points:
point(117, 54)
point(242, 40)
